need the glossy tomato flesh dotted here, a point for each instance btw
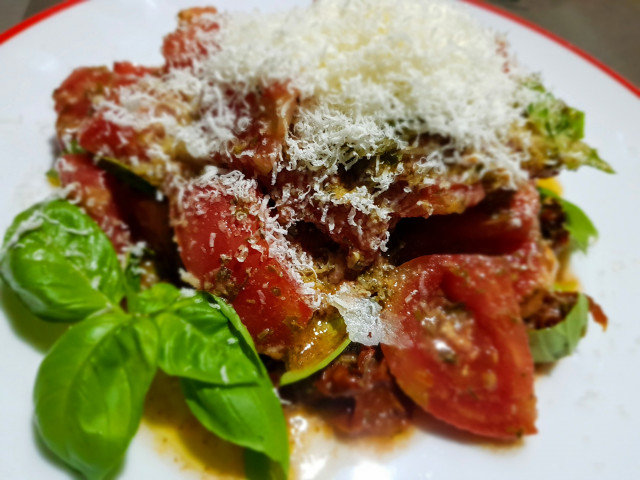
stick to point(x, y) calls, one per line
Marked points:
point(222, 247)
point(462, 351)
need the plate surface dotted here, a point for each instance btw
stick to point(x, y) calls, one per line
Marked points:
point(588, 415)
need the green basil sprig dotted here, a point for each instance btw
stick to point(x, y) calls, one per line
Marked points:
point(581, 229)
point(90, 388)
point(59, 262)
point(552, 343)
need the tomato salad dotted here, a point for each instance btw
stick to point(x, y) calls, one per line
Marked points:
point(380, 258)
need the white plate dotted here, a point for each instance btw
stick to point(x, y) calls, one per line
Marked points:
point(589, 420)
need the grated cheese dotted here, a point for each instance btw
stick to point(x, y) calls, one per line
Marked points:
point(413, 66)
point(371, 76)
point(361, 315)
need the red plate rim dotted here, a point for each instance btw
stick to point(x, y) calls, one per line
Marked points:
point(38, 17)
point(560, 41)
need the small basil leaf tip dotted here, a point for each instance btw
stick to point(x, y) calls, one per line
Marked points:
point(60, 264)
point(581, 229)
point(90, 390)
point(552, 343)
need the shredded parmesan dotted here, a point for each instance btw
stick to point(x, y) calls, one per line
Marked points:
point(368, 73)
point(361, 315)
point(372, 78)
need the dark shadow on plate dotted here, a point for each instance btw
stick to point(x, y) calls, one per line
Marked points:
point(54, 147)
point(38, 333)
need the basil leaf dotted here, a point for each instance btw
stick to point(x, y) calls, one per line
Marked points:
point(554, 118)
point(90, 390)
point(292, 376)
point(557, 132)
point(197, 341)
point(153, 300)
point(59, 262)
point(581, 229)
point(228, 311)
point(553, 343)
point(259, 466)
point(249, 415)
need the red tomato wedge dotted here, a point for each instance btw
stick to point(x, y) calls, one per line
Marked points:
point(222, 246)
point(259, 142)
point(93, 188)
point(463, 352)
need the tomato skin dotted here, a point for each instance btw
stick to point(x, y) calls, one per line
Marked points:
point(103, 137)
point(502, 224)
point(258, 145)
point(358, 233)
point(462, 353)
point(127, 73)
point(186, 44)
point(221, 246)
point(73, 97)
point(439, 200)
point(93, 188)
point(363, 234)
point(77, 116)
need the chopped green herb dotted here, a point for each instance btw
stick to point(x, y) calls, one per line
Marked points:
point(558, 130)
